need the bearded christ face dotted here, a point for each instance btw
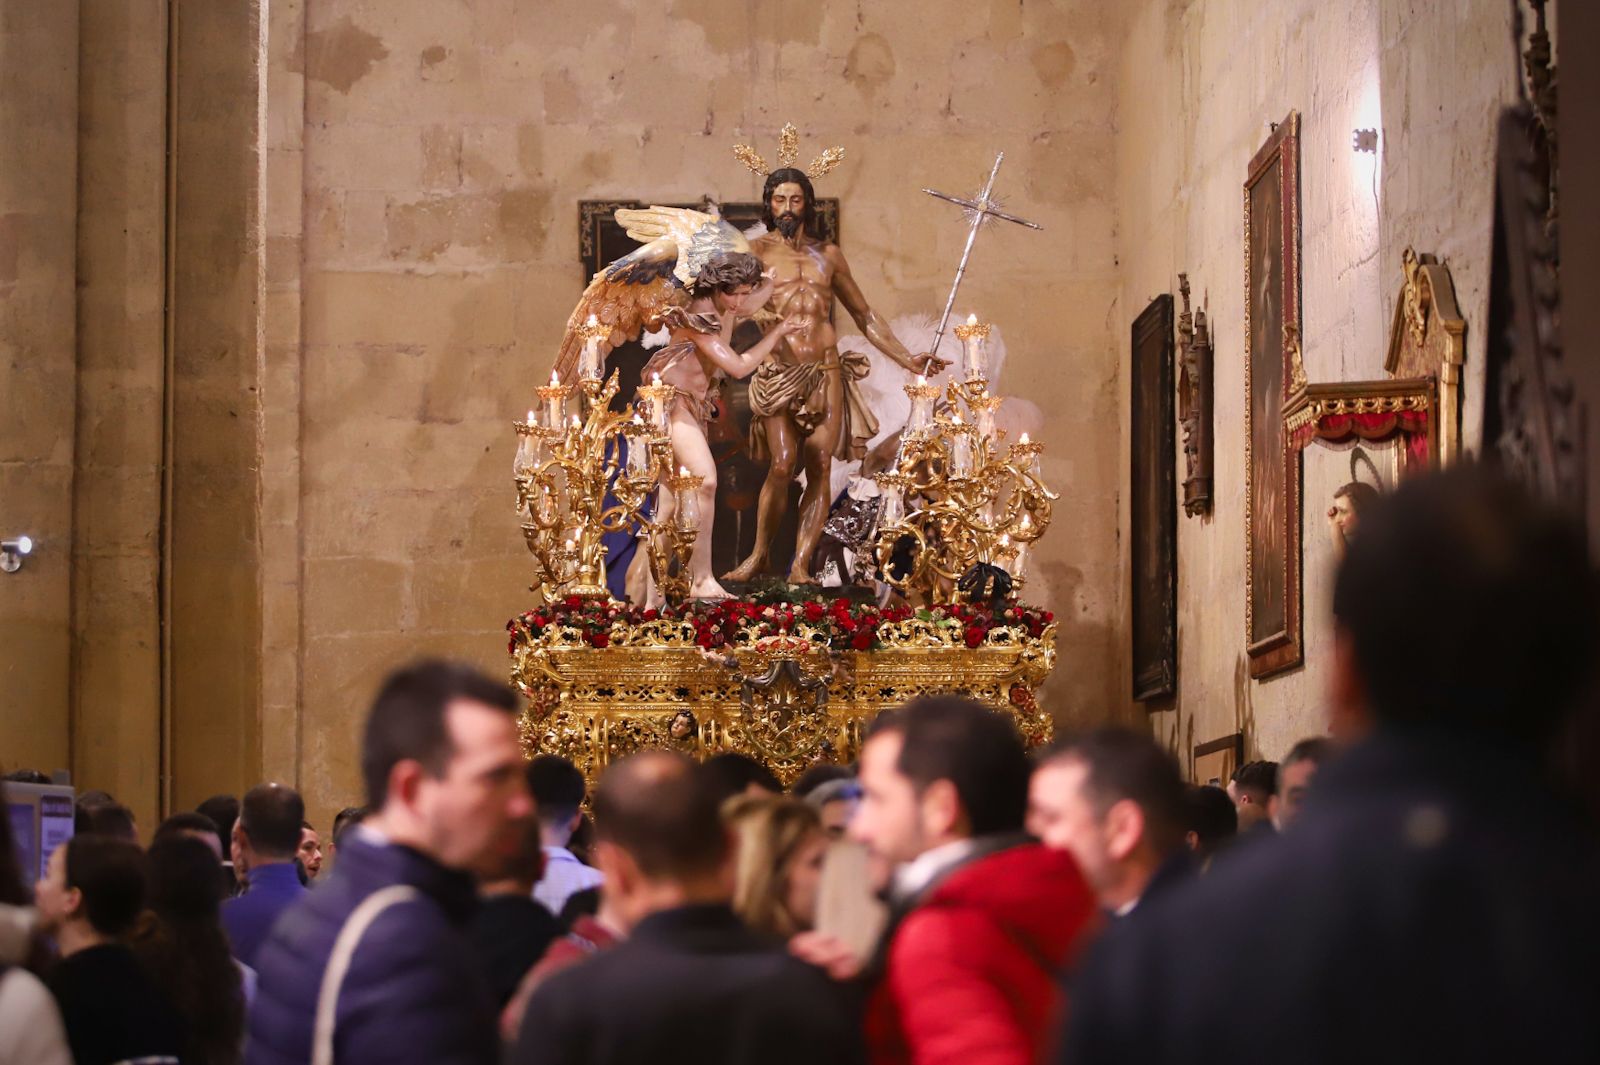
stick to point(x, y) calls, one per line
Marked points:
point(788, 206)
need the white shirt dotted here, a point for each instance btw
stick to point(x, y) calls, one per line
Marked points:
point(30, 1024)
point(912, 877)
point(564, 876)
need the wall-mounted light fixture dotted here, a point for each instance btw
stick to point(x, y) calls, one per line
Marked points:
point(12, 552)
point(1365, 140)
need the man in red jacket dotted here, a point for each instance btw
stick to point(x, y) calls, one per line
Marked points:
point(982, 917)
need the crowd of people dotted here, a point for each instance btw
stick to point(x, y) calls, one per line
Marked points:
point(1419, 884)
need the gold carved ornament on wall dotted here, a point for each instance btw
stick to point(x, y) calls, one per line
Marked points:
point(1419, 404)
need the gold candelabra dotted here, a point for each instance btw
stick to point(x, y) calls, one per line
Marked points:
point(957, 495)
point(567, 465)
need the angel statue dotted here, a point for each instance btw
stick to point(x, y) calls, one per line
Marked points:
point(694, 276)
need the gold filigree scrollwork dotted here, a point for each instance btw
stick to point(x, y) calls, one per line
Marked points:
point(653, 688)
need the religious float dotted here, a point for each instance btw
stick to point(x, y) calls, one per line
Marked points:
point(789, 673)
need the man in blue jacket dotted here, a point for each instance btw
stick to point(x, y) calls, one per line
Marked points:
point(381, 944)
point(264, 839)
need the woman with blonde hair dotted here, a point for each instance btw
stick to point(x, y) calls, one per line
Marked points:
point(780, 849)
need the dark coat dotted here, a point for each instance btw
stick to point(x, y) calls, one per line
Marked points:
point(1432, 903)
point(112, 1011)
point(249, 918)
point(415, 991)
point(691, 986)
point(509, 934)
point(970, 974)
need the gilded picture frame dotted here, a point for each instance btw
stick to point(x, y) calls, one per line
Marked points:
point(1272, 333)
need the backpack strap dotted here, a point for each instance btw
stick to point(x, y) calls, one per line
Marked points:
point(344, 951)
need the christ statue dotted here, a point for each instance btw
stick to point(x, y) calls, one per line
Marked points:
point(806, 402)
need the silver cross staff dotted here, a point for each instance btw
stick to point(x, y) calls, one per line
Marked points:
point(979, 209)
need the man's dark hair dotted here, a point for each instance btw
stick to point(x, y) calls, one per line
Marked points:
point(980, 752)
point(224, 810)
point(26, 776)
point(1211, 816)
point(94, 797)
point(783, 176)
point(1127, 765)
point(725, 272)
point(1258, 779)
point(181, 824)
point(664, 811)
point(110, 873)
point(1361, 495)
point(350, 815)
point(557, 787)
point(1315, 749)
point(407, 720)
point(1512, 618)
point(732, 774)
point(818, 775)
point(270, 818)
point(114, 820)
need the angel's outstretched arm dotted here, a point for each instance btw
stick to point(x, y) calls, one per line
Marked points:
point(737, 365)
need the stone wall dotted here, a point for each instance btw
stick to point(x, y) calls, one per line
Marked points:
point(1200, 80)
point(38, 373)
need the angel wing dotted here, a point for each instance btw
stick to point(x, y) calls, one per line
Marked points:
point(633, 292)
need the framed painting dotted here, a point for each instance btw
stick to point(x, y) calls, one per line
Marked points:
point(600, 241)
point(1215, 760)
point(1272, 359)
point(1152, 492)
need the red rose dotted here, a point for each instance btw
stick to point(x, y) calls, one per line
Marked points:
point(599, 639)
point(573, 602)
point(974, 635)
point(863, 639)
point(1047, 617)
point(815, 611)
point(650, 615)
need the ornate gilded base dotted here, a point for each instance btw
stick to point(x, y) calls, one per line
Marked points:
point(785, 701)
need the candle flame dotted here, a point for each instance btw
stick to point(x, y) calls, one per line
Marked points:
point(530, 417)
point(592, 321)
point(921, 381)
point(555, 379)
point(655, 379)
point(1024, 439)
point(683, 471)
point(972, 319)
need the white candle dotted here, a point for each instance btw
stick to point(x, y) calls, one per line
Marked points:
point(638, 449)
point(555, 403)
point(894, 507)
point(688, 505)
point(973, 349)
point(590, 366)
point(986, 419)
point(960, 453)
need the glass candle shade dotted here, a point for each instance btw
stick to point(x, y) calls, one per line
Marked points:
point(894, 506)
point(960, 454)
point(688, 509)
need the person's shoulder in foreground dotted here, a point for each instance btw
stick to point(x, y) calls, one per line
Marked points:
point(1436, 899)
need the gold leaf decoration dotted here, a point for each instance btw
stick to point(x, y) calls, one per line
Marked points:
point(751, 159)
point(825, 162)
point(788, 145)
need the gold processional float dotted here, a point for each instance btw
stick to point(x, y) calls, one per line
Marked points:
point(794, 675)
